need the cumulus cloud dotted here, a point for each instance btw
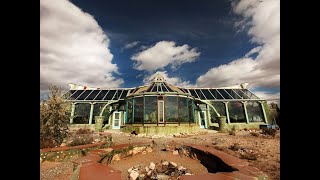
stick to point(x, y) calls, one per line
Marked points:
point(73, 48)
point(162, 54)
point(171, 80)
point(261, 19)
point(270, 97)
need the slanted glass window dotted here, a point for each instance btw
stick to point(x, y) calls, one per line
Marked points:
point(106, 114)
point(138, 110)
point(236, 112)
point(183, 110)
point(254, 110)
point(130, 111)
point(150, 114)
point(82, 113)
point(171, 109)
point(190, 110)
point(220, 107)
point(96, 110)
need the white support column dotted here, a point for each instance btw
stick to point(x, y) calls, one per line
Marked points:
point(91, 113)
point(264, 112)
point(111, 116)
point(245, 111)
point(73, 106)
point(227, 111)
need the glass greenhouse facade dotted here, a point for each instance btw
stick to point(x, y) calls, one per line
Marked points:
point(162, 104)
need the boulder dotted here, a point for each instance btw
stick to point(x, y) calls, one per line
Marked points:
point(152, 166)
point(134, 175)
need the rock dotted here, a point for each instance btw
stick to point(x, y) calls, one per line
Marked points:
point(147, 169)
point(63, 144)
point(129, 152)
point(116, 157)
point(164, 162)
point(173, 164)
point(181, 168)
point(187, 171)
point(41, 160)
point(136, 150)
point(175, 152)
point(176, 173)
point(188, 174)
point(149, 173)
point(152, 166)
point(159, 168)
point(134, 175)
point(149, 149)
point(142, 176)
point(130, 170)
point(162, 177)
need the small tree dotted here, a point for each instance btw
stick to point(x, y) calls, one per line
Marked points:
point(53, 119)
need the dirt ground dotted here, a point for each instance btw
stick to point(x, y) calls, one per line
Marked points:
point(266, 150)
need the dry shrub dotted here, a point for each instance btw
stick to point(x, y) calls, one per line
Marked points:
point(54, 119)
point(232, 131)
point(270, 132)
point(235, 147)
point(248, 156)
point(83, 131)
point(254, 134)
point(80, 139)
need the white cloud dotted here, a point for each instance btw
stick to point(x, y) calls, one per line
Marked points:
point(262, 20)
point(131, 45)
point(171, 80)
point(270, 97)
point(73, 48)
point(162, 54)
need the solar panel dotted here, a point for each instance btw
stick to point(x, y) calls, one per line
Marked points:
point(110, 95)
point(249, 94)
point(124, 94)
point(169, 89)
point(92, 95)
point(224, 93)
point(193, 93)
point(84, 94)
point(233, 94)
point(200, 94)
point(207, 93)
point(76, 94)
point(101, 95)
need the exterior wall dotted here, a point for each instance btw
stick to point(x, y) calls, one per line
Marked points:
point(173, 127)
point(161, 129)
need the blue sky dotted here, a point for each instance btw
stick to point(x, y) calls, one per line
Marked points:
point(206, 43)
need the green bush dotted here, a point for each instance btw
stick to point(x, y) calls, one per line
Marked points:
point(54, 119)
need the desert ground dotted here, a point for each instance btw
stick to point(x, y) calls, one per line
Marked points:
point(261, 151)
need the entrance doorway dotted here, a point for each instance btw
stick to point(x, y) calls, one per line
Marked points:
point(116, 120)
point(160, 111)
point(202, 119)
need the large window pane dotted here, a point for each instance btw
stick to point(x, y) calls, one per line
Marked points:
point(236, 112)
point(96, 110)
point(183, 110)
point(220, 107)
point(255, 113)
point(190, 109)
point(171, 109)
point(138, 110)
point(130, 111)
point(150, 114)
point(82, 113)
